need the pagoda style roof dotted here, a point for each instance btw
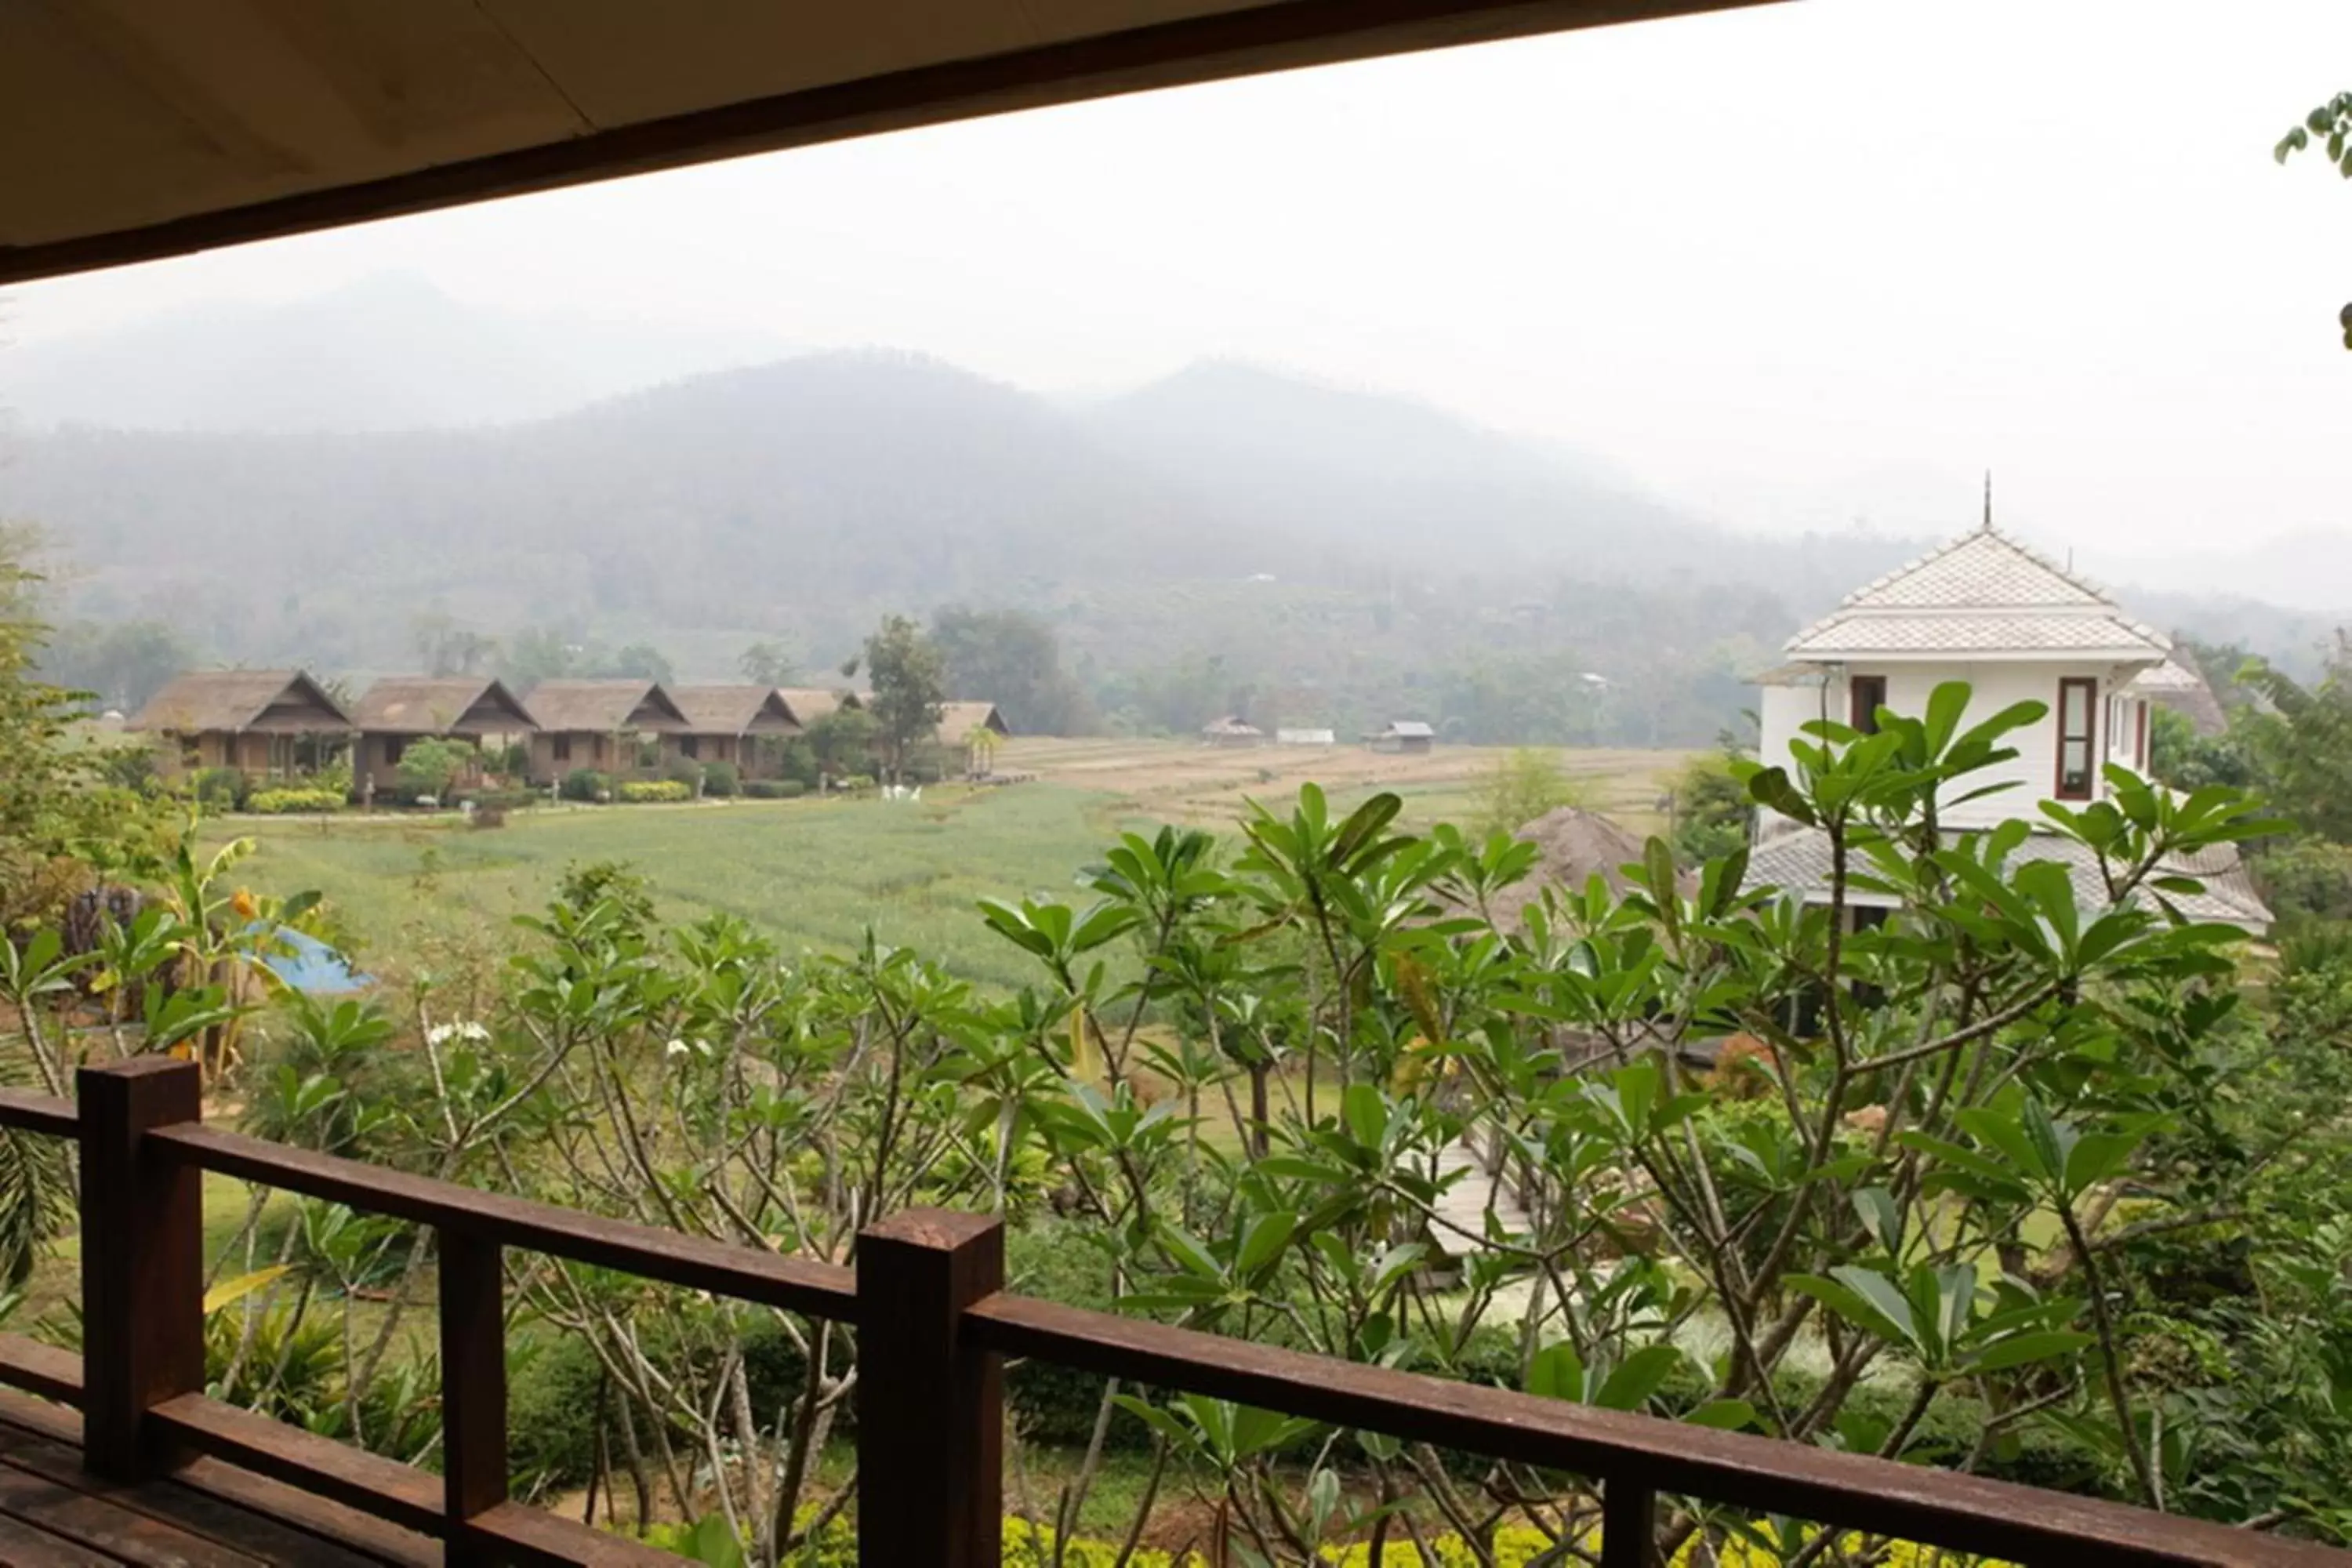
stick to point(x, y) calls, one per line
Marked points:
point(440, 705)
point(1984, 595)
point(735, 710)
point(270, 702)
point(604, 707)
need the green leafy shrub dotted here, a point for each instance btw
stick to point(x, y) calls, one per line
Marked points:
point(683, 771)
point(798, 760)
point(638, 791)
point(551, 1410)
point(775, 789)
point(722, 779)
point(130, 768)
point(709, 1541)
point(856, 784)
point(1522, 786)
point(2306, 879)
point(1711, 808)
point(430, 766)
point(286, 802)
point(218, 789)
point(586, 784)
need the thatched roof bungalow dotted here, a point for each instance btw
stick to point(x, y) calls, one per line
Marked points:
point(404, 707)
point(958, 720)
point(263, 722)
point(596, 724)
point(807, 704)
point(729, 723)
point(972, 728)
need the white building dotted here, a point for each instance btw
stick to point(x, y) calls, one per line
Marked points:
point(1986, 610)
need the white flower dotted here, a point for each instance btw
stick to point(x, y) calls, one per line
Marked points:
point(676, 1049)
point(463, 1029)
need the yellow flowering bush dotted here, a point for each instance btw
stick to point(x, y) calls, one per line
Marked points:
point(1515, 1546)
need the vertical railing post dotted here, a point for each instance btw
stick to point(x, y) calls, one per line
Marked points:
point(473, 1388)
point(1628, 1525)
point(931, 1405)
point(143, 1263)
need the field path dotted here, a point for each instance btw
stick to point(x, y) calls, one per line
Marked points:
point(1187, 782)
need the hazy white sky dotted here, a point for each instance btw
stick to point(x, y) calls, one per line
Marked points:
point(1796, 266)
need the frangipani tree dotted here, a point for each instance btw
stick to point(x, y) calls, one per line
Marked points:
point(1907, 1168)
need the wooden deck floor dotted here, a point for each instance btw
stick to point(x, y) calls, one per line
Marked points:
point(209, 1515)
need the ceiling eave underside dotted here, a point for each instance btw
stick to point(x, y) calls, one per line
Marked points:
point(135, 131)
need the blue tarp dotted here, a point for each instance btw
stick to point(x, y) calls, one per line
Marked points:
point(313, 967)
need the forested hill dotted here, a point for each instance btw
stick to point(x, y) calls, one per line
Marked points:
point(1227, 536)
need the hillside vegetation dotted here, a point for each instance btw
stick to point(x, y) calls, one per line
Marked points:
point(1254, 541)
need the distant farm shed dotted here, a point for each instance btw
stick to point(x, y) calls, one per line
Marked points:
point(259, 721)
point(1305, 738)
point(1231, 732)
point(1404, 735)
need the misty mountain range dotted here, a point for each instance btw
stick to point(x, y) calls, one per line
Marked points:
point(389, 353)
point(298, 483)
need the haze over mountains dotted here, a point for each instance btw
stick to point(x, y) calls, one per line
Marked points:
point(298, 483)
point(392, 353)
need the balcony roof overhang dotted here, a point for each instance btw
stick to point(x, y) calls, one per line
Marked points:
point(145, 132)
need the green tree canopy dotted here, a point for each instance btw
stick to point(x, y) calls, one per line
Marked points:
point(61, 821)
point(766, 663)
point(1012, 659)
point(2331, 124)
point(909, 683)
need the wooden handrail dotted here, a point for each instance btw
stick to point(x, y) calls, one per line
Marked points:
point(723, 1268)
point(934, 1328)
point(43, 1113)
point(1940, 1508)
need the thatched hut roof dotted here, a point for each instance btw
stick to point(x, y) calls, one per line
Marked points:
point(1572, 844)
point(269, 701)
point(808, 704)
point(604, 707)
point(735, 710)
point(440, 705)
point(958, 719)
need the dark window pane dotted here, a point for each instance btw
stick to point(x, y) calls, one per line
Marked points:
point(1867, 696)
point(2077, 737)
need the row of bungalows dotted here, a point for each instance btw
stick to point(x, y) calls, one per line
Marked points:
point(281, 723)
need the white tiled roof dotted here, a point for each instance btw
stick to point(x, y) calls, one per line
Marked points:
point(1983, 567)
point(1983, 593)
point(1984, 631)
point(1799, 861)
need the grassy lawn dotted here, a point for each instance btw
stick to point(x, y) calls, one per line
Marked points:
point(814, 874)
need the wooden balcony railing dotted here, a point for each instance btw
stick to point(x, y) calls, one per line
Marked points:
point(934, 1325)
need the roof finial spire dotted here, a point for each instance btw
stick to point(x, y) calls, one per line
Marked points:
point(1988, 515)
